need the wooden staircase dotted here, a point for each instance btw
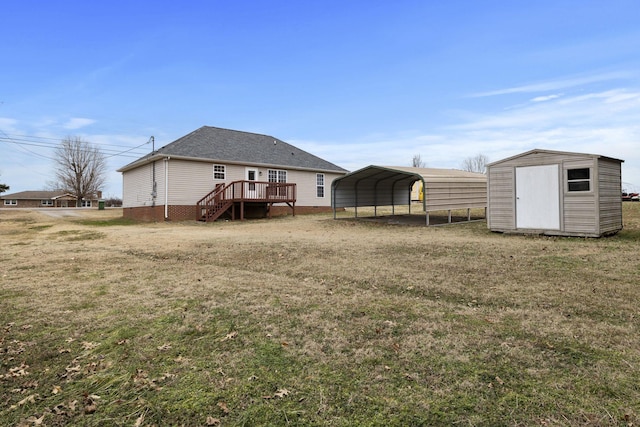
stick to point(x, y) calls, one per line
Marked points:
point(214, 204)
point(214, 211)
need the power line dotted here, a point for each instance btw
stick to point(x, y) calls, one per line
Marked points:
point(9, 139)
point(36, 137)
point(22, 142)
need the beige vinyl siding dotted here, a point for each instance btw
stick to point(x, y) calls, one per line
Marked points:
point(189, 181)
point(136, 185)
point(501, 199)
point(306, 187)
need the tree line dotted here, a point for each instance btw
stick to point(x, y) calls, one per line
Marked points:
point(477, 163)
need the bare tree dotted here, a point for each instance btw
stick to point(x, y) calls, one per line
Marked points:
point(478, 163)
point(417, 161)
point(80, 168)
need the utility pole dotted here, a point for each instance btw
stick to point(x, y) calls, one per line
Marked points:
point(153, 177)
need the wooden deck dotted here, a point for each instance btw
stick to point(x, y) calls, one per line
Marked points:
point(236, 196)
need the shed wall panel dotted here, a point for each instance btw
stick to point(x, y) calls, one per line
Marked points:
point(610, 185)
point(501, 198)
point(455, 195)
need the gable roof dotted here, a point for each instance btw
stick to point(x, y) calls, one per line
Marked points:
point(36, 195)
point(232, 146)
point(555, 153)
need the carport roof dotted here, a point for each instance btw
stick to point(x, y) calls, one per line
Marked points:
point(409, 174)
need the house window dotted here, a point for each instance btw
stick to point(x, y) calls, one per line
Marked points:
point(319, 185)
point(277, 175)
point(11, 202)
point(86, 203)
point(579, 179)
point(46, 202)
point(219, 172)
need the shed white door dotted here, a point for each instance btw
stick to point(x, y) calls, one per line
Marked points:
point(538, 197)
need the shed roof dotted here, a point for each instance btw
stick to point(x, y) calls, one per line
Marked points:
point(232, 146)
point(553, 152)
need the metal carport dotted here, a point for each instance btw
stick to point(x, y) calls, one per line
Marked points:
point(443, 189)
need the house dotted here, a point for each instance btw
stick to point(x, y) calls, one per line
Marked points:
point(436, 189)
point(45, 199)
point(555, 193)
point(216, 173)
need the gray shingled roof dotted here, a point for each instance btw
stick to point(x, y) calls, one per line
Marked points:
point(34, 195)
point(227, 145)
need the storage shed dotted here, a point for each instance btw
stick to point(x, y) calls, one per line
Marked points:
point(555, 193)
point(443, 189)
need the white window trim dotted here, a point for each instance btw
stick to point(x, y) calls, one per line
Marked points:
point(46, 202)
point(278, 174)
point(223, 172)
point(319, 186)
point(11, 202)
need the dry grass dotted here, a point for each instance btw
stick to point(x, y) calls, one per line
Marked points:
point(312, 321)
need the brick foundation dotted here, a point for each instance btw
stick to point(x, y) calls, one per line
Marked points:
point(144, 213)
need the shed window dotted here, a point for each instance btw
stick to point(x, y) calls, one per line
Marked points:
point(219, 172)
point(579, 179)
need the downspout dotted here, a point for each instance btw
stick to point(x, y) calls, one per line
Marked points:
point(166, 188)
point(333, 197)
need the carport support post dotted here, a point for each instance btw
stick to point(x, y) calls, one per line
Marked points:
point(427, 215)
point(468, 214)
point(449, 216)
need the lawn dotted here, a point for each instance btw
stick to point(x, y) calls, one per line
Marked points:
point(308, 320)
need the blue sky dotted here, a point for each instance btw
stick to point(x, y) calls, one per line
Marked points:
point(354, 82)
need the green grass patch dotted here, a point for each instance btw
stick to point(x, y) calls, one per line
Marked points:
point(80, 235)
point(108, 222)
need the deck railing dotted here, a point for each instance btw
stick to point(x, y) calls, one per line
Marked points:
point(246, 191)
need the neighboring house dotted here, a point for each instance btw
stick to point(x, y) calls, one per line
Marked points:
point(45, 199)
point(555, 193)
point(216, 173)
